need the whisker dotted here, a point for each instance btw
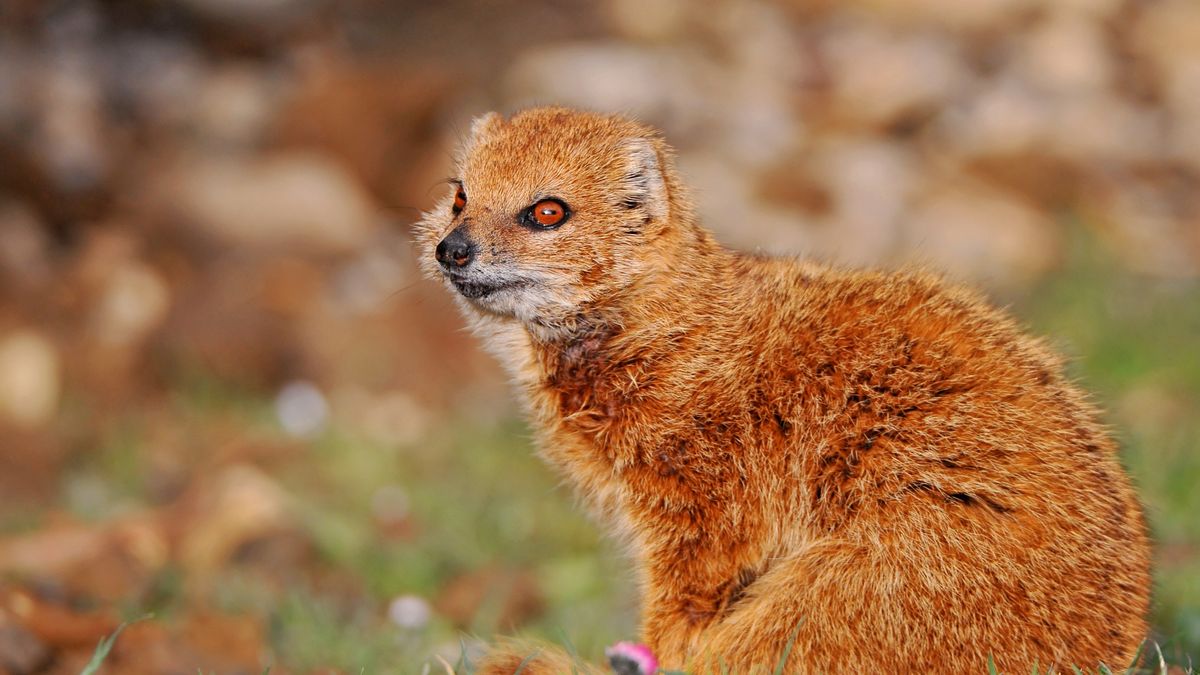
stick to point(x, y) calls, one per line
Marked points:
point(419, 212)
point(405, 288)
point(449, 180)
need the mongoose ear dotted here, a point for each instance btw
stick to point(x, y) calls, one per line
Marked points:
point(484, 126)
point(644, 185)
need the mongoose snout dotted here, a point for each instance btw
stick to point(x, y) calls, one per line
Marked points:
point(456, 250)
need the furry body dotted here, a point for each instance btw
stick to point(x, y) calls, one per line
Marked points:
point(879, 465)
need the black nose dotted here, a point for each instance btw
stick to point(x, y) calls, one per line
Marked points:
point(456, 250)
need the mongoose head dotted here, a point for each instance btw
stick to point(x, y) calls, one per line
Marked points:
point(553, 213)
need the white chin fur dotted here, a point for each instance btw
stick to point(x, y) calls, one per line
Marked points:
point(537, 306)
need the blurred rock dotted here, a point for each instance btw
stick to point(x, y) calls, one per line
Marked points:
point(300, 200)
point(234, 106)
point(133, 552)
point(796, 184)
point(1103, 129)
point(157, 79)
point(1168, 33)
point(222, 320)
point(146, 648)
point(56, 625)
point(870, 183)
point(655, 84)
point(1066, 54)
point(391, 418)
point(730, 204)
point(1097, 10)
point(71, 138)
point(383, 120)
point(491, 598)
point(21, 652)
point(284, 558)
point(29, 378)
point(13, 62)
point(1050, 181)
point(117, 302)
point(366, 284)
point(290, 285)
point(25, 263)
point(134, 301)
point(853, 192)
point(750, 91)
point(221, 642)
point(1184, 139)
point(403, 345)
point(256, 13)
point(1004, 116)
point(983, 236)
point(881, 77)
point(648, 19)
point(1183, 103)
point(1152, 228)
point(110, 562)
point(52, 550)
point(223, 513)
point(101, 252)
point(950, 14)
point(31, 462)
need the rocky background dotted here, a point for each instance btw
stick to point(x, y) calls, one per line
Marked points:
point(231, 408)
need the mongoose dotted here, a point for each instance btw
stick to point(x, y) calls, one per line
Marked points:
point(858, 471)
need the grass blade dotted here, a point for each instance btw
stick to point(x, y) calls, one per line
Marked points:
point(1162, 662)
point(525, 661)
point(1137, 658)
point(571, 651)
point(463, 661)
point(787, 651)
point(105, 646)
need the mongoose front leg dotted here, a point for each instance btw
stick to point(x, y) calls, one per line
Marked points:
point(698, 550)
point(686, 601)
point(697, 566)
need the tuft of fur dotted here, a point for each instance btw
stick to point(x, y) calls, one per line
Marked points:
point(516, 657)
point(880, 470)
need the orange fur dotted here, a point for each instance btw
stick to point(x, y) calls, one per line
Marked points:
point(880, 466)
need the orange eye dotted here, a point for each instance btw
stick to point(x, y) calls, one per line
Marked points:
point(460, 201)
point(549, 213)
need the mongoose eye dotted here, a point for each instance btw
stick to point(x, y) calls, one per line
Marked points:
point(460, 201)
point(546, 214)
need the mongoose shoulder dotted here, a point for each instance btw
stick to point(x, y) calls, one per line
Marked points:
point(880, 470)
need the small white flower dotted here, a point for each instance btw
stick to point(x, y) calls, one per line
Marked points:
point(301, 409)
point(410, 612)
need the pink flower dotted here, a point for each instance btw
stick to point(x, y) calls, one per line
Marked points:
point(629, 658)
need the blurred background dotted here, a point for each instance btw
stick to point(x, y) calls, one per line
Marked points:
point(227, 398)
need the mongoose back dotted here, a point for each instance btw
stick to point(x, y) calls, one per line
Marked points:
point(879, 470)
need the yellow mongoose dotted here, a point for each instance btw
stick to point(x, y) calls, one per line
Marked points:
point(879, 469)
